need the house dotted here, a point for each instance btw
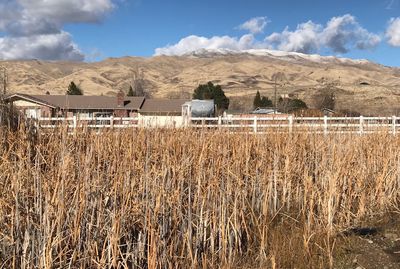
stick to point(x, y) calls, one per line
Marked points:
point(37, 106)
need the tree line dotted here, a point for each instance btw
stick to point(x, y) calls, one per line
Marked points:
point(216, 93)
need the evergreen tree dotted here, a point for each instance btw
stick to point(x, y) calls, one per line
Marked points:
point(211, 91)
point(202, 92)
point(130, 92)
point(265, 102)
point(297, 104)
point(73, 89)
point(257, 100)
point(261, 101)
point(220, 99)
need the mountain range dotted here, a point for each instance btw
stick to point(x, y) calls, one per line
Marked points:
point(358, 85)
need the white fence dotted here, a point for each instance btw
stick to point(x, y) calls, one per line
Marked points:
point(253, 124)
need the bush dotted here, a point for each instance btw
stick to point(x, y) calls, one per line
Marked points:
point(287, 105)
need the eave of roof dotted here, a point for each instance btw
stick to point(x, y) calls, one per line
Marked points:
point(75, 102)
point(27, 97)
point(79, 102)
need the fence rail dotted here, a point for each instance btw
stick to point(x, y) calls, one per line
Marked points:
point(253, 124)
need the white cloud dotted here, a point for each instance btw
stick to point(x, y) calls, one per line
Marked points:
point(304, 39)
point(193, 43)
point(340, 35)
point(66, 11)
point(40, 23)
point(393, 32)
point(46, 47)
point(255, 25)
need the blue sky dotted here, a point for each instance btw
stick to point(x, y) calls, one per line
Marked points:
point(116, 28)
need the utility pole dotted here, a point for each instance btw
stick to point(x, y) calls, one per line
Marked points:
point(275, 96)
point(275, 77)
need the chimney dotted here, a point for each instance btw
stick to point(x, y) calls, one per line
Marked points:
point(120, 99)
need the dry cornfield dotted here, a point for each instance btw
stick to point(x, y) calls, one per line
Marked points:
point(188, 199)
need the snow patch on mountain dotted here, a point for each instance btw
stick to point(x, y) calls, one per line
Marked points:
point(276, 54)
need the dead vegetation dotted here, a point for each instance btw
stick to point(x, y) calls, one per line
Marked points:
point(187, 199)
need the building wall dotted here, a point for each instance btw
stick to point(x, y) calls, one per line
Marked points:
point(133, 114)
point(22, 104)
point(161, 121)
point(121, 113)
point(46, 112)
point(33, 110)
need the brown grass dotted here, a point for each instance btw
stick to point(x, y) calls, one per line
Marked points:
point(184, 199)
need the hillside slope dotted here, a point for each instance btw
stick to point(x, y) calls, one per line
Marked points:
point(358, 85)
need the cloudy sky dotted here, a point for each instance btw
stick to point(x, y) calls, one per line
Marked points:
point(90, 30)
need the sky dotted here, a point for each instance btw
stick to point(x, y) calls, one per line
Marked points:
point(92, 30)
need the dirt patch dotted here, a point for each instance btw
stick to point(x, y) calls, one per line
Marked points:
point(378, 250)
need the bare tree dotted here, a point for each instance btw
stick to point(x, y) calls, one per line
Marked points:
point(278, 78)
point(138, 83)
point(9, 116)
point(3, 80)
point(326, 98)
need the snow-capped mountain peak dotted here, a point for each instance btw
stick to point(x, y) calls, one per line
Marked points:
point(281, 55)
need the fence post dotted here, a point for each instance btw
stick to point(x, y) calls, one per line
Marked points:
point(325, 125)
point(219, 122)
point(189, 122)
point(186, 121)
point(394, 125)
point(255, 124)
point(290, 118)
point(139, 120)
point(361, 129)
point(36, 124)
point(75, 121)
point(112, 121)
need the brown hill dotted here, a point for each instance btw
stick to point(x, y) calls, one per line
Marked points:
point(358, 85)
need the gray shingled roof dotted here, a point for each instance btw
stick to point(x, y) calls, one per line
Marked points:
point(83, 102)
point(162, 106)
point(90, 102)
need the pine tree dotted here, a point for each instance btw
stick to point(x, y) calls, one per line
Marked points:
point(220, 99)
point(266, 102)
point(130, 92)
point(73, 89)
point(211, 91)
point(257, 100)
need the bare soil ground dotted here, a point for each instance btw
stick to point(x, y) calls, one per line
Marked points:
point(378, 250)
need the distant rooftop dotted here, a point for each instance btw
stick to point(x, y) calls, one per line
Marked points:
point(87, 102)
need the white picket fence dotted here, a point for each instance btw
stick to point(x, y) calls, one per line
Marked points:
point(254, 124)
